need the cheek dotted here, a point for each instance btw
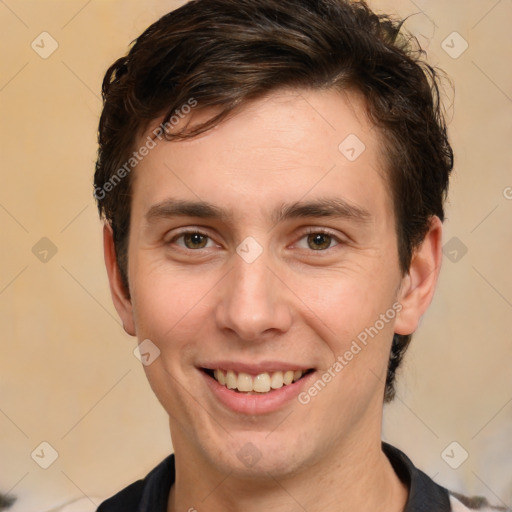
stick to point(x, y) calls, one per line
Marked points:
point(354, 317)
point(174, 309)
point(350, 301)
point(171, 310)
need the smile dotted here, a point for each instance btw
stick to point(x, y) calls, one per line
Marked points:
point(262, 383)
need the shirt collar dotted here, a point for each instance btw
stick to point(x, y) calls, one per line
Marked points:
point(424, 494)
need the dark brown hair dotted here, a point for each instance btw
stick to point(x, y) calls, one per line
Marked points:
point(222, 53)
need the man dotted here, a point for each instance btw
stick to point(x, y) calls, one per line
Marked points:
point(272, 176)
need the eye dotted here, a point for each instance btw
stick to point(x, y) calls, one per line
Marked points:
point(193, 240)
point(318, 240)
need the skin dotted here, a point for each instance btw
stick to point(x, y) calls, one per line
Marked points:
point(293, 303)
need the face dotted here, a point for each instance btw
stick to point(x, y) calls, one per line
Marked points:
point(263, 258)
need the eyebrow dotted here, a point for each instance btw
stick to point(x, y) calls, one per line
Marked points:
point(323, 207)
point(183, 208)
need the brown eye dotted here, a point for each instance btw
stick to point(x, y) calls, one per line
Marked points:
point(195, 240)
point(319, 241)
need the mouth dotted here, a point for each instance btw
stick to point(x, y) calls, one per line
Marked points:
point(260, 384)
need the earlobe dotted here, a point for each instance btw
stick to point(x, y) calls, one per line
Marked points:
point(418, 285)
point(120, 296)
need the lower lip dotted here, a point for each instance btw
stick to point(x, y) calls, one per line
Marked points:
point(257, 403)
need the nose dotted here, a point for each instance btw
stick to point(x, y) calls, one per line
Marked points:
point(254, 303)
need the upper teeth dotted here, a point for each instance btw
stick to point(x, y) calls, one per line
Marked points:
point(261, 383)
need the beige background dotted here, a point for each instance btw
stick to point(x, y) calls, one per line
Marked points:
point(67, 372)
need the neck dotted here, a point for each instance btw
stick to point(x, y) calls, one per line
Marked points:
point(359, 477)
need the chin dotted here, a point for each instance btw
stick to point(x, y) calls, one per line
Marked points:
point(257, 455)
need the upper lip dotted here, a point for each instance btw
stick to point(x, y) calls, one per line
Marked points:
point(254, 368)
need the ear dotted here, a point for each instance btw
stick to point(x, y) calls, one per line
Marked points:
point(418, 286)
point(120, 296)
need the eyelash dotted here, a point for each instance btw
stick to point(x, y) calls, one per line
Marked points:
point(309, 231)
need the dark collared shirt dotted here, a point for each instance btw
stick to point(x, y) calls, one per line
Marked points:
point(151, 493)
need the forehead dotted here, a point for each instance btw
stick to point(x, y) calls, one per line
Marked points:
point(287, 146)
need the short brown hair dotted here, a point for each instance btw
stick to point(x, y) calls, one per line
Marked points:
point(223, 53)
